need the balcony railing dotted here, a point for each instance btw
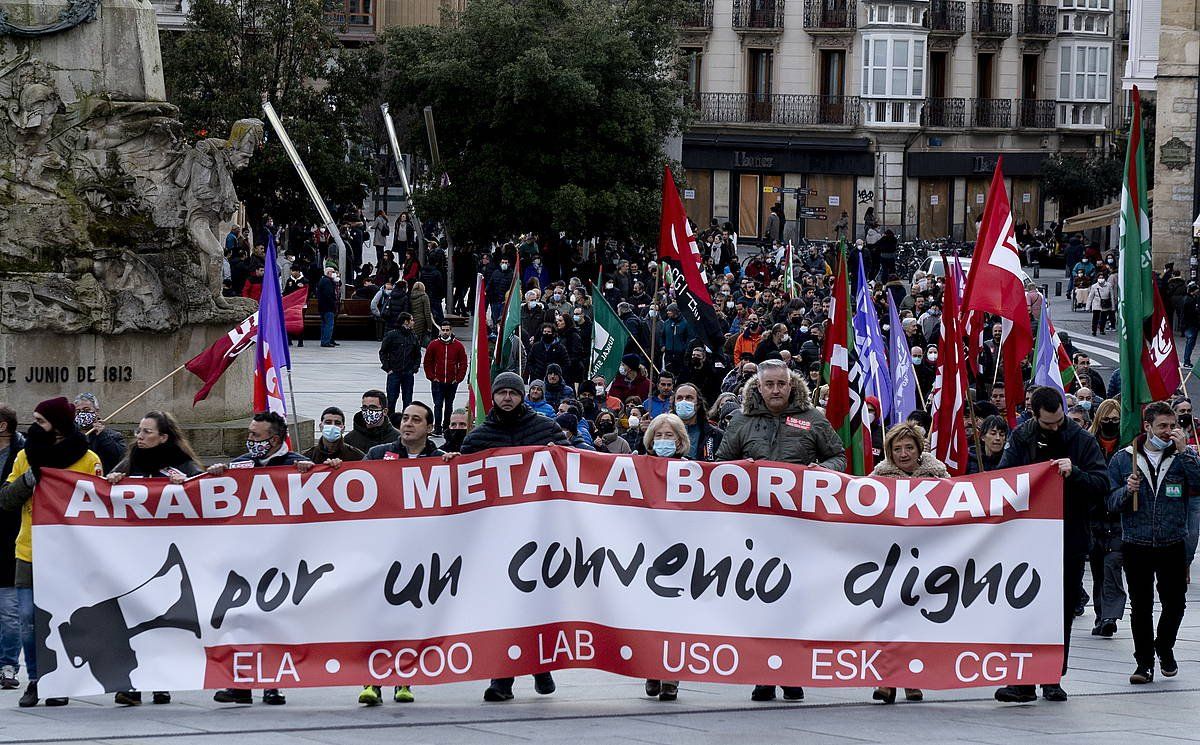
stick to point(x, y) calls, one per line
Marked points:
point(992, 19)
point(830, 15)
point(1089, 116)
point(1037, 20)
point(758, 15)
point(945, 112)
point(781, 109)
point(903, 112)
point(991, 113)
point(1123, 25)
point(351, 26)
point(947, 17)
point(697, 15)
point(1035, 114)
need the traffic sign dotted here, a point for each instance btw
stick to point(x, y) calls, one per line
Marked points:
point(812, 213)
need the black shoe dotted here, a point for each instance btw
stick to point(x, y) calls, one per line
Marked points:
point(29, 697)
point(1108, 627)
point(1167, 664)
point(233, 696)
point(274, 697)
point(543, 683)
point(793, 693)
point(162, 697)
point(763, 693)
point(886, 695)
point(670, 692)
point(60, 701)
point(653, 688)
point(499, 689)
point(329, 345)
point(1142, 675)
point(128, 698)
point(1082, 607)
point(1016, 694)
point(1054, 692)
point(334, 343)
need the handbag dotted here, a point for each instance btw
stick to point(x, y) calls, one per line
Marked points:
point(1106, 303)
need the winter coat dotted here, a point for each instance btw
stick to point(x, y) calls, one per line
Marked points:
point(928, 467)
point(445, 361)
point(422, 314)
point(542, 355)
point(289, 458)
point(622, 388)
point(391, 306)
point(1087, 484)
point(400, 452)
point(17, 495)
point(363, 439)
point(400, 352)
point(10, 521)
point(990, 462)
point(541, 407)
point(526, 428)
point(498, 284)
point(327, 298)
point(799, 435)
point(708, 441)
point(674, 335)
point(612, 443)
point(340, 450)
point(109, 444)
point(1164, 497)
point(1098, 293)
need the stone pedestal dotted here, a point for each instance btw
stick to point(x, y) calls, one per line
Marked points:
point(117, 53)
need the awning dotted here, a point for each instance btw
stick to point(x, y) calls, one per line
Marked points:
point(1100, 217)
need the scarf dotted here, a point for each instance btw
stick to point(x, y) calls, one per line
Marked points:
point(43, 452)
point(154, 460)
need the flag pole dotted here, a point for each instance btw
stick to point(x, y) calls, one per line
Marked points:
point(292, 394)
point(131, 401)
point(654, 299)
point(632, 338)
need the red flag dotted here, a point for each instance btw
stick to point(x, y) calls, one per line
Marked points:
point(675, 239)
point(1160, 356)
point(996, 285)
point(210, 364)
point(948, 433)
point(846, 407)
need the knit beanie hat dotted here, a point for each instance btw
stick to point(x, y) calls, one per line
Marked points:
point(509, 380)
point(568, 422)
point(59, 412)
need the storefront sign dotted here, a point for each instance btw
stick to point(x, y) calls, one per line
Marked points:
point(743, 159)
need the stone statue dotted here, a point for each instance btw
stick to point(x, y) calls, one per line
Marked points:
point(112, 221)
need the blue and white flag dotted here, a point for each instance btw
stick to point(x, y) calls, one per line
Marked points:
point(872, 355)
point(904, 378)
point(1045, 358)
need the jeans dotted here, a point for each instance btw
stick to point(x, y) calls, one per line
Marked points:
point(1108, 587)
point(28, 638)
point(1190, 335)
point(1143, 566)
point(443, 402)
point(1193, 531)
point(326, 328)
point(10, 627)
point(397, 384)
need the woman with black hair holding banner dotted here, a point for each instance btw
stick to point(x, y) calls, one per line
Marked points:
point(666, 437)
point(906, 455)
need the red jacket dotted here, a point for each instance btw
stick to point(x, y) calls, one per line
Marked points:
point(622, 388)
point(445, 361)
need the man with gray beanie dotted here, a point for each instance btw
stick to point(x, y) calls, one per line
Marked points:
point(512, 423)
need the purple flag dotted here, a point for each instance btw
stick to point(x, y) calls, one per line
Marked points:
point(872, 355)
point(904, 379)
point(271, 352)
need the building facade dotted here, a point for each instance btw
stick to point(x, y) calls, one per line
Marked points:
point(903, 106)
point(354, 21)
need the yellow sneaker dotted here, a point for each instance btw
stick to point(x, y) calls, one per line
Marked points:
point(371, 696)
point(403, 695)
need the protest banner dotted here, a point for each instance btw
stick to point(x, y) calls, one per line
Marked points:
point(519, 560)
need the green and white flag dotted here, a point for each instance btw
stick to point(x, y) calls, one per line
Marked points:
point(609, 337)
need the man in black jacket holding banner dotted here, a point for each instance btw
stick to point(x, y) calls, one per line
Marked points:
point(511, 423)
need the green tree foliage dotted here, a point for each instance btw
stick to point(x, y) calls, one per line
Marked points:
point(551, 114)
point(1082, 180)
point(236, 50)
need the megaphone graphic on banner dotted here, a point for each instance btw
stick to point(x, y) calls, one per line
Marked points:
point(99, 635)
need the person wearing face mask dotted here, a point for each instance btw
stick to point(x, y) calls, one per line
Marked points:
point(498, 284)
point(703, 437)
point(906, 456)
point(1101, 299)
point(699, 371)
point(53, 441)
point(747, 341)
point(12, 442)
point(1051, 436)
point(327, 304)
point(925, 370)
point(545, 351)
point(607, 439)
point(511, 423)
point(1183, 409)
point(331, 448)
point(665, 437)
point(1104, 555)
point(535, 269)
point(770, 346)
point(629, 380)
point(778, 422)
point(445, 367)
point(460, 425)
point(105, 442)
point(371, 424)
point(1156, 481)
point(159, 449)
point(634, 422)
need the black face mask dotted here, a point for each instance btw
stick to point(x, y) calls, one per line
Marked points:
point(1185, 421)
point(604, 427)
point(454, 440)
point(1110, 429)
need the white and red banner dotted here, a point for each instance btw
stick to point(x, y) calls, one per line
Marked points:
point(519, 560)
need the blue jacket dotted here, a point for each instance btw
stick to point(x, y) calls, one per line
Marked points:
point(1163, 498)
point(541, 407)
point(674, 335)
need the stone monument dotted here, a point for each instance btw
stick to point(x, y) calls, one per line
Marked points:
point(112, 224)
